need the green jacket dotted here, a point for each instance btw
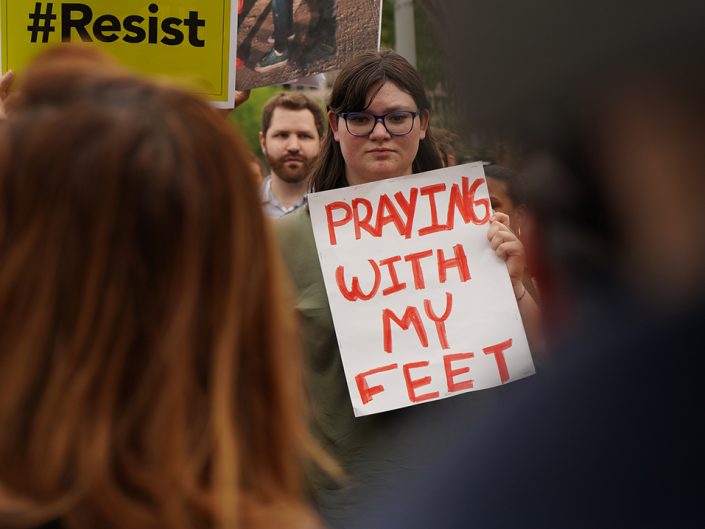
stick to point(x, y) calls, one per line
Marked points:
point(375, 450)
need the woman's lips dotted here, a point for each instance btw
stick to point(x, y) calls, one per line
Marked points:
point(381, 150)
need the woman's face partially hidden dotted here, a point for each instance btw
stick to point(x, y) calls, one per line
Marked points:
point(499, 198)
point(380, 155)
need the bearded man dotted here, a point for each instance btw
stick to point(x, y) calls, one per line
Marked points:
point(292, 128)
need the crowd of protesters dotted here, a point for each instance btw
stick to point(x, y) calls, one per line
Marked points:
point(167, 351)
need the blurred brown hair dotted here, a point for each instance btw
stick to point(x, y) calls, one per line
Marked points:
point(292, 101)
point(149, 375)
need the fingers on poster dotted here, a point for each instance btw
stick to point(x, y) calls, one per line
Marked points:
point(284, 40)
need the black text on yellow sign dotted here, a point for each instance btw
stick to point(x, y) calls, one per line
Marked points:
point(78, 21)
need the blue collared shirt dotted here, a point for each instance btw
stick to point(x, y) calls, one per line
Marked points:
point(272, 207)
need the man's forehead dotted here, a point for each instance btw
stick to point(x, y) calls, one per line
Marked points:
point(284, 118)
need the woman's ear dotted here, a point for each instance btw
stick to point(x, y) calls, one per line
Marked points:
point(333, 124)
point(263, 143)
point(423, 120)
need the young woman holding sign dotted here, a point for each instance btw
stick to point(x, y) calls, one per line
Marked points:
point(379, 129)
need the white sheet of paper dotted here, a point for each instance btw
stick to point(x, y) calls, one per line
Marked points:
point(478, 327)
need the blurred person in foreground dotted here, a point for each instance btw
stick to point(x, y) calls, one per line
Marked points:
point(149, 376)
point(611, 434)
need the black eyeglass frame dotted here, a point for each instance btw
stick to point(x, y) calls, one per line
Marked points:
point(377, 119)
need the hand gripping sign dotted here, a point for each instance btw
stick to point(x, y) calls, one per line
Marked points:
point(192, 41)
point(423, 308)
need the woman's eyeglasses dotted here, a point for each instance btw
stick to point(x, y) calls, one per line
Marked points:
point(397, 123)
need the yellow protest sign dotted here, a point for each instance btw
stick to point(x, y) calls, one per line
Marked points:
point(192, 41)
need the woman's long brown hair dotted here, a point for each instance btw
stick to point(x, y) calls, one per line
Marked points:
point(149, 372)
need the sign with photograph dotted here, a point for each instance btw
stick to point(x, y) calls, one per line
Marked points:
point(285, 40)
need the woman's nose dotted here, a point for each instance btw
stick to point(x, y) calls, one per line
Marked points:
point(379, 130)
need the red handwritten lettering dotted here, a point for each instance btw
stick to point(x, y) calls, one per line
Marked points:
point(367, 392)
point(498, 352)
point(411, 317)
point(430, 192)
point(400, 211)
point(413, 384)
point(364, 221)
point(408, 207)
point(414, 259)
point(465, 203)
point(396, 284)
point(440, 320)
point(387, 213)
point(355, 291)
point(332, 224)
point(460, 262)
point(452, 373)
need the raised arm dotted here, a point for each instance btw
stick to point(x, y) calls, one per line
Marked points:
point(509, 248)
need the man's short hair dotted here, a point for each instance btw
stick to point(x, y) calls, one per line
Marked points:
point(292, 101)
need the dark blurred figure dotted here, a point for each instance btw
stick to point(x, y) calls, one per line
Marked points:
point(149, 373)
point(609, 97)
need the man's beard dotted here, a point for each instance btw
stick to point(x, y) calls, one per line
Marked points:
point(287, 174)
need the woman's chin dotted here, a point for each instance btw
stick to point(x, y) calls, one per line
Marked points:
point(376, 172)
point(384, 170)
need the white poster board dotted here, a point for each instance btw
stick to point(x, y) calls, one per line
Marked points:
point(423, 308)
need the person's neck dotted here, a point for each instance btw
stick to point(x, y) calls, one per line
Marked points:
point(288, 193)
point(354, 179)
